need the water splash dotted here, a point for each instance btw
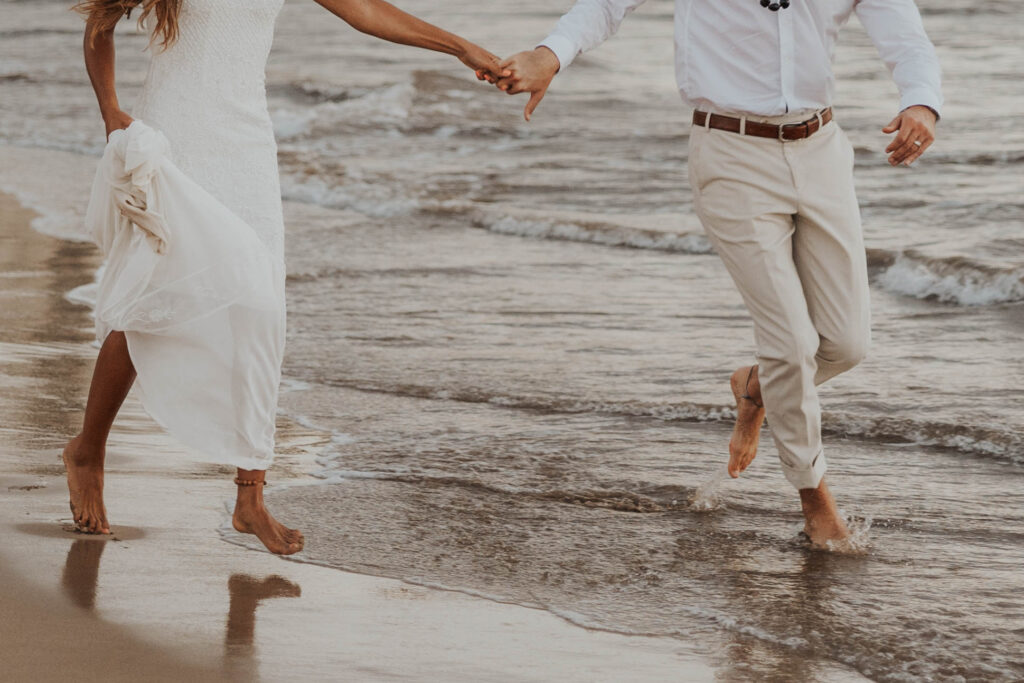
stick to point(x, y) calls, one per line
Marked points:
point(859, 540)
point(708, 496)
point(857, 543)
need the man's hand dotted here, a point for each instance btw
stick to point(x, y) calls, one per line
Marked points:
point(530, 72)
point(916, 126)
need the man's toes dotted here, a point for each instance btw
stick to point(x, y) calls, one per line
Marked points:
point(738, 462)
point(734, 468)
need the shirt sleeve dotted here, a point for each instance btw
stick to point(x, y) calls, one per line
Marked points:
point(588, 24)
point(897, 32)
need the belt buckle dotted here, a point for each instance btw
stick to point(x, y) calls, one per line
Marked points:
point(783, 127)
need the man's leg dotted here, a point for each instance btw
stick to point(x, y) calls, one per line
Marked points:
point(828, 251)
point(747, 200)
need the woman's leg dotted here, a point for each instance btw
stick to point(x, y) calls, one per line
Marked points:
point(84, 455)
point(251, 516)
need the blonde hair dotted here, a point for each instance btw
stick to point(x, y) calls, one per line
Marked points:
point(103, 15)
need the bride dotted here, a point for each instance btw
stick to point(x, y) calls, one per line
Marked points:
point(214, 387)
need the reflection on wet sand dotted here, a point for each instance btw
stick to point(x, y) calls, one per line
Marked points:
point(82, 570)
point(80, 581)
point(246, 594)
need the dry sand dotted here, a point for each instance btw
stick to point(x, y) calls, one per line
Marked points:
point(165, 598)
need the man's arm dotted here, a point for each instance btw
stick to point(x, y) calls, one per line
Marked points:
point(897, 32)
point(588, 24)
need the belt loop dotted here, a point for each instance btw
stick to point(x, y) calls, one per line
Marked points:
point(821, 121)
point(743, 125)
point(707, 121)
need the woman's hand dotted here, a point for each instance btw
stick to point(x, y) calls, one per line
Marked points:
point(486, 65)
point(116, 120)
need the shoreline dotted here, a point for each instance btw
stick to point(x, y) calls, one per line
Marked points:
point(172, 598)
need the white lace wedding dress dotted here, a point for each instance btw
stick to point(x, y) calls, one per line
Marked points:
point(209, 371)
point(207, 94)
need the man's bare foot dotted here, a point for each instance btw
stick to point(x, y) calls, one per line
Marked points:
point(252, 517)
point(85, 487)
point(824, 525)
point(749, 416)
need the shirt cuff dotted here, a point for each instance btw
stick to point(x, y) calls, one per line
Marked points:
point(563, 48)
point(922, 97)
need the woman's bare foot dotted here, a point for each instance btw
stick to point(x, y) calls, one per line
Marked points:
point(85, 486)
point(73, 494)
point(749, 416)
point(252, 517)
point(824, 525)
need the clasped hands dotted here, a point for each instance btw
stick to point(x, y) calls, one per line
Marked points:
point(529, 71)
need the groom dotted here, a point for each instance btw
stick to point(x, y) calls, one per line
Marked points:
point(772, 177)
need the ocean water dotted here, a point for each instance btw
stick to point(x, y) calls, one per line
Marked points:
point(520, 341)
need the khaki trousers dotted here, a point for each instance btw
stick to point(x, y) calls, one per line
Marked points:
point(784, 218)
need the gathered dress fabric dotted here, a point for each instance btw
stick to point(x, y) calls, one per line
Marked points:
point(186, 207)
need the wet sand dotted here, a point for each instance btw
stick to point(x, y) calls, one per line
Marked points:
point(165, 598)
point(46, 638)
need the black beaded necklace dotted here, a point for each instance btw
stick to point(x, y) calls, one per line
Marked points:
point(775, 6)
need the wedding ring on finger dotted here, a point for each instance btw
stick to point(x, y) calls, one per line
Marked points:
point(918, 143)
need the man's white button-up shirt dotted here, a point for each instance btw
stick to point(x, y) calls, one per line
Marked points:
point(736, 56)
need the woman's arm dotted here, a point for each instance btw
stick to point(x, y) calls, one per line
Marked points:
point(99, 62)
point(383, 20)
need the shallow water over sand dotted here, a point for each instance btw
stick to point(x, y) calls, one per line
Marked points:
point(555, 464)
point(520, 342)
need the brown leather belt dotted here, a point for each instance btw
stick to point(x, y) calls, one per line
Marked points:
point(785, 132)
